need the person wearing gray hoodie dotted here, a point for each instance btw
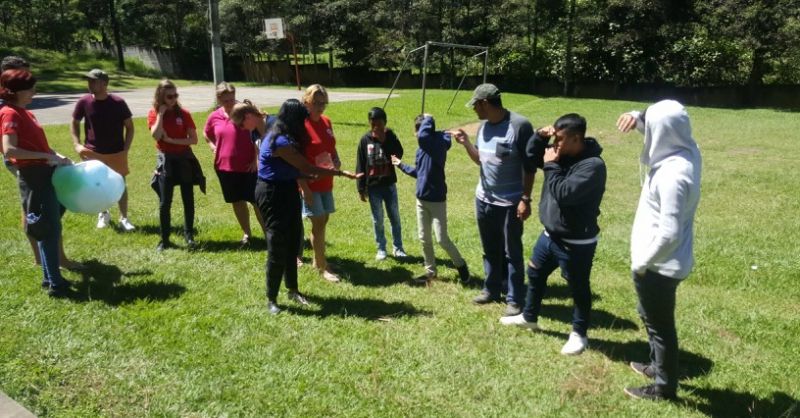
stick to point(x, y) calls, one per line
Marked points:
point(661, 239)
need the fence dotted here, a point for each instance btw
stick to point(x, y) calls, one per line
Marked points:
point(778, 96)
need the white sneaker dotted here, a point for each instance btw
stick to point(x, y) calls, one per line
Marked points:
point(575, 345)
point(126, 224)
point(103, 218)
point(380, 255)
point(399, 253)
point(519, 320)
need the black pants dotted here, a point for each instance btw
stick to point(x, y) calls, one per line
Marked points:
point(279, 203)
point(657, 310)
point(166, 188)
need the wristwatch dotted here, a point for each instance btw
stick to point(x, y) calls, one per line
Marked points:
point(526, 199)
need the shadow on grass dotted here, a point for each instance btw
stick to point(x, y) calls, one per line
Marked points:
point(561, 291)
point(370, 309)
point(361, 275)
point(600, 318)
point(156, 230)
point(103, 282)
point(691, 365)
point(255, 245)
point(729, 403)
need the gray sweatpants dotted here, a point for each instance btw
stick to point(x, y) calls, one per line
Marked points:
point(433, 216)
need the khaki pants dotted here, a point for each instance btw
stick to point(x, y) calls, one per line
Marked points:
point(433, 216)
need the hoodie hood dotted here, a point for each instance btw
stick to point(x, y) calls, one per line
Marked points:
point(667, 132)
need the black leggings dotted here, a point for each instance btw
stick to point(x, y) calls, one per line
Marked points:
point(166, 189)
point(279, 203)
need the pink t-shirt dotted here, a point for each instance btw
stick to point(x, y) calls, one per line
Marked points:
point(235, 150)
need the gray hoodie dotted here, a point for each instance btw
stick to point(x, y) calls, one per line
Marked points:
point(661, 239)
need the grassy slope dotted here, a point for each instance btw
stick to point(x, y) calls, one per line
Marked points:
point(59, 72)
point(187, 333)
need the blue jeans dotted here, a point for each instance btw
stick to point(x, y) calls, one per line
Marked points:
point(576, 265)
point(39, 196)
point(501, 237)
point(388, 196)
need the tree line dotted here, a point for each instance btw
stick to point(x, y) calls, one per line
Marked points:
point(680, 42)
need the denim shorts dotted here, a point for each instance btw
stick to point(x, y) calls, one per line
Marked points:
point(322, 205)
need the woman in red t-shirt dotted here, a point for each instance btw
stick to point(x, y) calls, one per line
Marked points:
point(26, 147)
point(320, 150)
point(235, 158)
point(174, 131)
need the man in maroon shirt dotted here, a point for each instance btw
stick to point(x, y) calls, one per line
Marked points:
point(109, 134)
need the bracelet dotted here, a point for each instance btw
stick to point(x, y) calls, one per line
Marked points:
point(526, 199)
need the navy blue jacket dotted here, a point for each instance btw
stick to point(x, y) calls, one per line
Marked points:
point(430, 160)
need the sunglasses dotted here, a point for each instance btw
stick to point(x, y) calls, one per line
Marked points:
point(171, 96)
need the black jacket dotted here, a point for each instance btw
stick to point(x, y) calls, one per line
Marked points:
point(374, 159)
point(571, 194)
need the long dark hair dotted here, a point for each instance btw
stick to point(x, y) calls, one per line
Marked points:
point(290, 122)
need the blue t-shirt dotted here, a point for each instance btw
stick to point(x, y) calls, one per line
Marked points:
point(272, 168)
point(502, 148)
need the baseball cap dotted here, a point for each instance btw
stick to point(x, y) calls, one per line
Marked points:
point(97, 74)
point(482, 92)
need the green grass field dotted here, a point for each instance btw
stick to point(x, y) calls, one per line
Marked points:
point(187, 333)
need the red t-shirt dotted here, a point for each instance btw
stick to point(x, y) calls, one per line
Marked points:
point(176, 125)
point(235, 149)
point(320, 151)
point(30, 135)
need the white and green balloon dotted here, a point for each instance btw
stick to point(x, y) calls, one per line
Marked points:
point(88, 187)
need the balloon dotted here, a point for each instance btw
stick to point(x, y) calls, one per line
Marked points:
point(88, 187)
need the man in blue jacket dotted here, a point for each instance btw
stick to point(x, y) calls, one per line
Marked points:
point(432, 196)
point(574, 182)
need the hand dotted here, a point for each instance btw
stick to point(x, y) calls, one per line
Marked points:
point(253, 167)
point(56, 160)
point(551, 154)
point(308, 198)
point(161, 109)
point(213, 147)
point(547, 131)
point(460, 136)
point(79, 149)
point(363, 197)
point(351, 176)
point(523, 210)
point(626, 122)
point(395, 160)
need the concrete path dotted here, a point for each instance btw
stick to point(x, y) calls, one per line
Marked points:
point(11, 409)
point(54, 108)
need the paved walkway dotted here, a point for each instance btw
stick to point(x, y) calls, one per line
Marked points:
point(11, 409)
point(54, 108)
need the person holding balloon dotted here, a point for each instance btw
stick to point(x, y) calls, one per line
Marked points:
point(26, 146)
point(175, 132)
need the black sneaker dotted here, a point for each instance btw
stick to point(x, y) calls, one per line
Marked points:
point(512, 309)
point(61, 290)
point(45, 284)
point(423, 280)
point(650, 392)
point(463, 274)
point(163, 245)
point(484, 298)
point(645, 370)
point(190, 244)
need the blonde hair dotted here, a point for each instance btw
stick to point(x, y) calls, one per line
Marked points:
point(241, 110)
point(163, 86)
point(224, 88)
point(313, 90)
